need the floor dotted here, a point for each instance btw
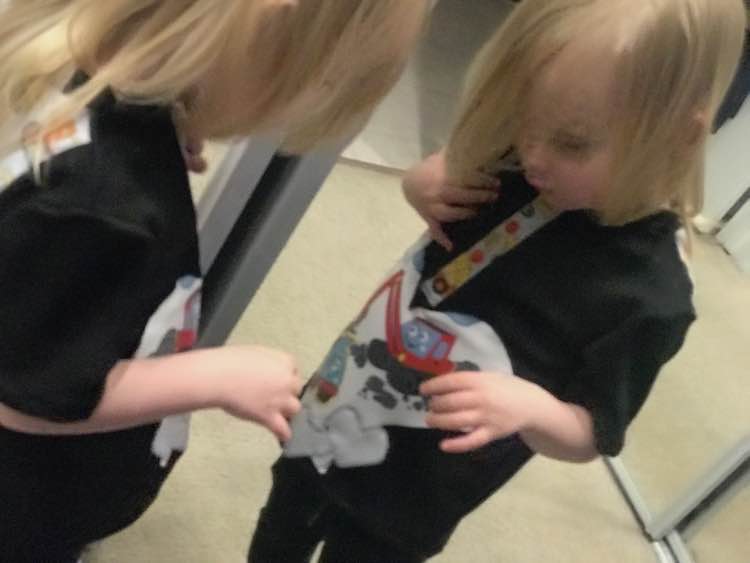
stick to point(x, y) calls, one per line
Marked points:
point(698, 410)
point(551, 511)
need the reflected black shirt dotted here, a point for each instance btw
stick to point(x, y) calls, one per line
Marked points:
point(589, 312)
point(87, 257)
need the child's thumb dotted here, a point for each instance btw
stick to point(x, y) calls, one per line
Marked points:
point(280, 428)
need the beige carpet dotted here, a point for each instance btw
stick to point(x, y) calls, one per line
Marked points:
point(355, 229)
point(700, 407)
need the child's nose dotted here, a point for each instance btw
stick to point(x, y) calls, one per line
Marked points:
point(535, 160)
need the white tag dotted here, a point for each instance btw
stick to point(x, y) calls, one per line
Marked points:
point(69, 135)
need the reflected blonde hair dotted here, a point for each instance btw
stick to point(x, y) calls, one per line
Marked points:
point(673, 61)
point(313, 68)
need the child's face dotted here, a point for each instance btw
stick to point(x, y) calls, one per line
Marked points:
point(565, 144)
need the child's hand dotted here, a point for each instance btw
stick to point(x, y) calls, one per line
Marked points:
point(437, 201)
point(485, 406)
point(192, 153)
point(191, 146)
point(260, 384)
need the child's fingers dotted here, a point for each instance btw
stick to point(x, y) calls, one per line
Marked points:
point(450, 214)
point(451, 402)
point(291, 408)
point(196, 164)
point(483, 180)
point(192, 152)
point(448, 383)
point(471, 441)
point(453, 421)
point(438, 234)
point(469, 196)
point(280, 427)
point(194, 146)
point(297, 384)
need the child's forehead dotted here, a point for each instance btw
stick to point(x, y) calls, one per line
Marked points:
point(576, 87)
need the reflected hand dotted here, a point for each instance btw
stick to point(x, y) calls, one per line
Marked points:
point(484, 406)
point(438, 200)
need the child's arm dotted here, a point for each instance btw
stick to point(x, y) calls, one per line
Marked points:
point(489, 406)
point(77, 292)
point(251, 383)
point(427, 188)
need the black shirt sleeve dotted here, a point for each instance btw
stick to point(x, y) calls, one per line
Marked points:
point(619, 370)
point(64, 287)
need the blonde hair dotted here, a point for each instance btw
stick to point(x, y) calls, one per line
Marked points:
point(312, 68)
point(673, 61)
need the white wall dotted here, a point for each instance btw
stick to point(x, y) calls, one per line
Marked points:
point(728, 165)
point(727, 179)
point(415, 118)
point(735, 237)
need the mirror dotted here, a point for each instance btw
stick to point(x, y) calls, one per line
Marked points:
point(697, 414)
point(695, 417)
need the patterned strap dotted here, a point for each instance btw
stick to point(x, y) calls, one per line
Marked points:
point(500, 240)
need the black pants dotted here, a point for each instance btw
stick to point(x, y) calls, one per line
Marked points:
point(299, 515)
point(39, 553)
point(58, 494)
point(403, 510)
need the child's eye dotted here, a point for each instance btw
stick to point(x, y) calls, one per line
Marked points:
point(575, 146)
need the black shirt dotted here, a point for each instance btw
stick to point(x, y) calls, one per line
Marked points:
point(88, 256)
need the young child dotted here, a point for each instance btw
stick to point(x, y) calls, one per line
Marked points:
point(543, 324)
point(98, 242)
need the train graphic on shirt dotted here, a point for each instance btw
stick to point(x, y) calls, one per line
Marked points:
point(370, 379)
point(412, 351)
point(173, 328)
point(174, 325)
point(182, 336)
